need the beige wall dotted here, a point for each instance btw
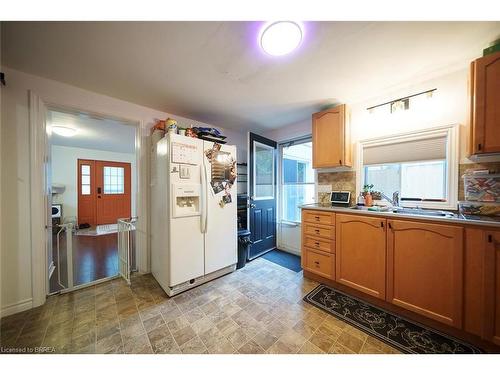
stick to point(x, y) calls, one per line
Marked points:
point(15, 184)
point(449, 105)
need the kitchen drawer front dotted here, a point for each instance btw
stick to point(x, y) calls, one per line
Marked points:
point(320, 263)
point(319, 231)
point(318, 243)
point(318, 217)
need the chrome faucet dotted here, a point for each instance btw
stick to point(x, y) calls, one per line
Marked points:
point(395, 198)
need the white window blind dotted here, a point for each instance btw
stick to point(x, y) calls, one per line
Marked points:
point(433, 148)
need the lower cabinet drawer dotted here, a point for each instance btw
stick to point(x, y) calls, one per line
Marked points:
point(320, 263)
point(318, 217)
point(316, 230)
point(319, 244)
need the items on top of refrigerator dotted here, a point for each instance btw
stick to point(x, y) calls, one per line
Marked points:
point(481, 187)
point(209, 134)
point(169, 125)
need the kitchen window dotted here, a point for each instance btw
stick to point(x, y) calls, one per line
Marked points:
point(297, 178)
point(422, 167)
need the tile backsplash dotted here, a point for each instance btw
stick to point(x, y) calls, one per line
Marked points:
point(346, 180)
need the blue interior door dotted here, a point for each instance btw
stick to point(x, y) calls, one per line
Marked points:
point(262, 197)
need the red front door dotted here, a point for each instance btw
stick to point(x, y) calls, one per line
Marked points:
point(108, 195)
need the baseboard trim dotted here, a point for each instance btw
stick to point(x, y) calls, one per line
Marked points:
point(17, 307)
point(52, 268)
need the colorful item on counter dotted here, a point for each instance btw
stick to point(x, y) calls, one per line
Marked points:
point(485, 209)
point(368, 199)
point(482, 187)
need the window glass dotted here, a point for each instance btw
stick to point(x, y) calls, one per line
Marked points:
point(298, 179)
point(114, 182)
point(426, 180)
point(264, 171)
point(85, 179)
point(418, 180)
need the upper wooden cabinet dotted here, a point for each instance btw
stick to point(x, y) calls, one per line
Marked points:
point(484, 86)
point(331, 138)
point(425, 269)
point(491, 294)
point(361, 253)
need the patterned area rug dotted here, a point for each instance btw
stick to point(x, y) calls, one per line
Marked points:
point(405, 335)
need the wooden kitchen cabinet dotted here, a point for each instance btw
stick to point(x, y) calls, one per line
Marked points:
point(331, 138)
point(484, 86)
point(425, 269)
point(491, 291)
point(318, 242)
point(360, 254)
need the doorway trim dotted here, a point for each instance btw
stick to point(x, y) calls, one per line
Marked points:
point(38, 193)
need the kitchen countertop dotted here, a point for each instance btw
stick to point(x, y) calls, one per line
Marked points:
point(456, 219)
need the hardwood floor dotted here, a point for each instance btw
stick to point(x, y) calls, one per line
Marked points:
point(94, 258)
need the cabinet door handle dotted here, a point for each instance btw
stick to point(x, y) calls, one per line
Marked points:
point(381, 224)
point(390, 225)
point(317, 218)
point(317, 244)
point(316, 263)
point(479, 146)
point(317, 231)
point(340, 161)
point(490, 238)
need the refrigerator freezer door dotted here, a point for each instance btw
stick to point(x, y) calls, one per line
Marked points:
point(186, 240)
point(221, 222)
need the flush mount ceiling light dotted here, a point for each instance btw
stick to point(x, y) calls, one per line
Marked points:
point(64, 131)
point(280, 38)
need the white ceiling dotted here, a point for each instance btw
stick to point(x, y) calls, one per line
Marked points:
point(92, 132)
point(215, 72)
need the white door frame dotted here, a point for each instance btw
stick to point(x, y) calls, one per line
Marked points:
point(38, 142)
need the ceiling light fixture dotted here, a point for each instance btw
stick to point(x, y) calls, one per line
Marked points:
point(64, 131)
point(280, 38)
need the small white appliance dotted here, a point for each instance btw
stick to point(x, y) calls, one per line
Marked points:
point(194, 234)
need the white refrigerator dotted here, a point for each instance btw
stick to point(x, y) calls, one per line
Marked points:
point(193, 212)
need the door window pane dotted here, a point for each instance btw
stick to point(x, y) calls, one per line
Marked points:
point(264, 171)
point(85, 179)
point(114, 182)
point(85, 169)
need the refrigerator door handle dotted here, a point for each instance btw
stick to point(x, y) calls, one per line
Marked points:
point(204, 193)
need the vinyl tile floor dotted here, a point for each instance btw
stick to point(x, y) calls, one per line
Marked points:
point(257, 309)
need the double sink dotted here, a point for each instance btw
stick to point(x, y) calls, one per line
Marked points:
point(411, 211)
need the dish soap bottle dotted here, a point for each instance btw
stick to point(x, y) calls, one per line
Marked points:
point(361, 200)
